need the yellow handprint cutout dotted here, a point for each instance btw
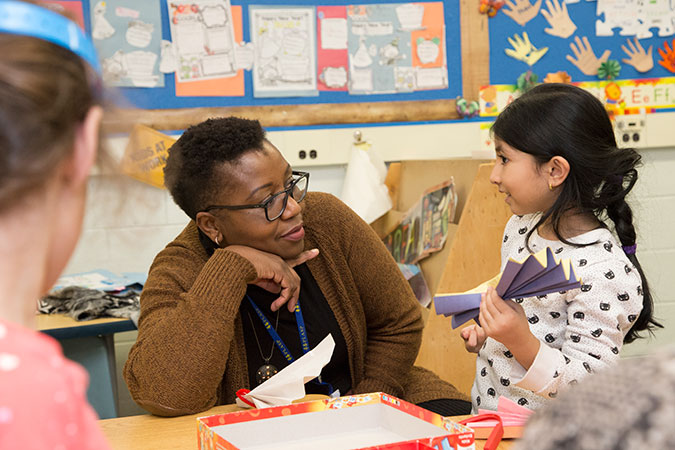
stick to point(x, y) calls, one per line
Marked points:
point(523, 50)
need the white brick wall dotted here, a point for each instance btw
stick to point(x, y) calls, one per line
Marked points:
point(127, 223)
point(653, 203)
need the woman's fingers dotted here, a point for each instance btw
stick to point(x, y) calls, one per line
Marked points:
point(289, 281)
point(275, 274)
point(303, 257)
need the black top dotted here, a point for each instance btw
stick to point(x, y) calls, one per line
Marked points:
point(319, 322)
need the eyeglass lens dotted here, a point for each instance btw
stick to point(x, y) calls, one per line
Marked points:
point(276, 207)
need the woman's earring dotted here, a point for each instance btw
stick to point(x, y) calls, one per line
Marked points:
point(216, 239)
point(550, 187)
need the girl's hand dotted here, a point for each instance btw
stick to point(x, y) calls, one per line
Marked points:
point(505, 321)
point(474, 337)
point(275, 274)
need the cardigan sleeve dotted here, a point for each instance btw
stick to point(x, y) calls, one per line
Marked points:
point(188, 310)
point(392, 313)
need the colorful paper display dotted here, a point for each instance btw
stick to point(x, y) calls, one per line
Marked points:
point(217, 87)
point(538, 274)
point(398, 47)
point(294, 51)
point(127, 35)
point(203, 36)
point(620, 96)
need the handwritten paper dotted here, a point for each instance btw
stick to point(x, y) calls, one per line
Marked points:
point(139, 33)
point(334, 33)
point(285, 51)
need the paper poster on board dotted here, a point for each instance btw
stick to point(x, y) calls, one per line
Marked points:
point(396, 48)
point(332, 55)
point(127, 35)
point(218, 87)
point(202, 32)
point(285, 51)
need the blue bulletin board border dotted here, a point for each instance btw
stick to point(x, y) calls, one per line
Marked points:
point(165, 98)
point(505, 70)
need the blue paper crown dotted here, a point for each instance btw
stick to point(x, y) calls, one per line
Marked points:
point(31, 20)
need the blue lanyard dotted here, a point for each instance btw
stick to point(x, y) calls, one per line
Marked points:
point(302, 331)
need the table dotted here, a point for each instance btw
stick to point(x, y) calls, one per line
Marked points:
point(147, 431)
point(90, 343)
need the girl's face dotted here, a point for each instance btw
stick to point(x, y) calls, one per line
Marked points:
point(256, 176)
point(525, 184)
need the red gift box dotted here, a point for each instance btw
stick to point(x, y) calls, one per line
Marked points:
point(366, 421)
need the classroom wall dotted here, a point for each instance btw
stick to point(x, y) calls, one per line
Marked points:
point(128, 222)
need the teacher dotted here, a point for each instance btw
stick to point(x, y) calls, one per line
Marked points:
point(261, 274)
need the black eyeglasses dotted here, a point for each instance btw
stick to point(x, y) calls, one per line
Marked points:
point(276, 204)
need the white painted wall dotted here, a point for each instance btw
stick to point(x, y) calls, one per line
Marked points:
point(128, 222)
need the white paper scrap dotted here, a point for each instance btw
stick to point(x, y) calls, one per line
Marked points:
point(289, 383)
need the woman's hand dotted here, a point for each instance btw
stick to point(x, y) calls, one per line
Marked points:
point(275, 274)
point(505, 321)
point(474, 336)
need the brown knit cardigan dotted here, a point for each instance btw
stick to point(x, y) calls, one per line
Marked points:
point(190, 352)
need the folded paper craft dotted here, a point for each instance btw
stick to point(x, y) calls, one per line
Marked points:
point(538, 274)
point(289, 383)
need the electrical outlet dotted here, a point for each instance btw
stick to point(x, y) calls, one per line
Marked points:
point(630, 130)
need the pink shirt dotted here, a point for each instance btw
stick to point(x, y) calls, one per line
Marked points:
point(43, 402)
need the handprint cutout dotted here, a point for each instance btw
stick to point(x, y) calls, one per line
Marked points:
point(523, 50)
point(637, 57)
point(584, 58)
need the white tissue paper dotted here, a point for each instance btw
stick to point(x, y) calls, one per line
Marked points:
point(364, 190)
point(289, 383)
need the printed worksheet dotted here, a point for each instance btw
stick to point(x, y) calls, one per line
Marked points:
point(203, 39)
point(284, 39)
point(127, 35)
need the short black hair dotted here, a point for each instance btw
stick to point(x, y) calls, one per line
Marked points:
point(192, 160)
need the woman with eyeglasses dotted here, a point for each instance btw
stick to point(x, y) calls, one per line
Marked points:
point(262, 273)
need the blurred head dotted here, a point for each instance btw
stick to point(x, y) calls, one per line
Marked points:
point(49, 121)
point(627, 406)
point(566, 161)
point(221, 173)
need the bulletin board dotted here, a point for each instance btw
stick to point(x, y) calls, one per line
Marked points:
point(587, 19)
point(160, 107)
